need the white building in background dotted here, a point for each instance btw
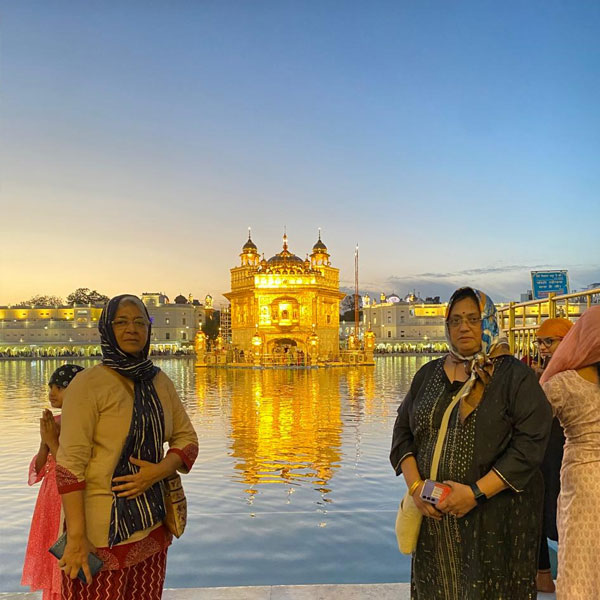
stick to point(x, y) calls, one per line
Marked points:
point(174, 325)
point(405, 324)
point(73, 330)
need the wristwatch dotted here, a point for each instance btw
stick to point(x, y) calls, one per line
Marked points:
point(480, 497)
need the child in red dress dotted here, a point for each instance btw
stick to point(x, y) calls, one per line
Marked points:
point(40, 570)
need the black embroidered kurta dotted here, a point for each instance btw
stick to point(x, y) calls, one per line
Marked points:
point(491, 553)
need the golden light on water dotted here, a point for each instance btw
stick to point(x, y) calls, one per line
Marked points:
point(284, 426)
point(281, 450)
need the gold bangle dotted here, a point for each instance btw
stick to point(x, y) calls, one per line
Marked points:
point(413, 488)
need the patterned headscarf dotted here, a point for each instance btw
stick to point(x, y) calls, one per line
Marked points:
point(479, 366)
point(146, 431)
point(63, 376)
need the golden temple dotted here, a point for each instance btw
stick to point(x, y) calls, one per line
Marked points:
point(285, 307)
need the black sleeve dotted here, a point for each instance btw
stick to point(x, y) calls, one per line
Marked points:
point(402, 438)
point(531, 418)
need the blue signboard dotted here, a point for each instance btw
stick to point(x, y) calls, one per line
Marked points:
point(545, 282)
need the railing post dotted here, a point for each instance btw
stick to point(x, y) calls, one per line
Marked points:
point(551, 305)
point(511, 326)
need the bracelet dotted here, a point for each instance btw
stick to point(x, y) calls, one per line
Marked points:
point(413, 488)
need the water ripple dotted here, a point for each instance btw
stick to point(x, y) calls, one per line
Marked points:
point(292, 484)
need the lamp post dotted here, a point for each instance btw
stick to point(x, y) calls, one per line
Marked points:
point(313, 343)
point(351, 342)
point(200, 347)
point(369, 340)
point(369, 345)
point(257, 345)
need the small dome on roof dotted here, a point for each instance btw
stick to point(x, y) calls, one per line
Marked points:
point(319, 245)
point(181, 299)
point(249, 245)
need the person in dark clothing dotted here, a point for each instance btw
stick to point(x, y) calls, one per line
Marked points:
point(481, 542)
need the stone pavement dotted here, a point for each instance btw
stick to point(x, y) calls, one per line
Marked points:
point(375, 591)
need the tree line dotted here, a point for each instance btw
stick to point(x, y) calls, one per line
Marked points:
point(79, 296)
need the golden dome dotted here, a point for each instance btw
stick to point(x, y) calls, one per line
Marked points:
point(285, 261)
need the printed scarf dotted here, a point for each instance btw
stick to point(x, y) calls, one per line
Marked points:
point(146, 431)
point(479, 366)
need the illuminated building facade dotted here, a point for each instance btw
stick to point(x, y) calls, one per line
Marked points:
point(405, 323)
point(411, 323)
point(285, 304)
point(73, 330)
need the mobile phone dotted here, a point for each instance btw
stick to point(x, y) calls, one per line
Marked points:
point(58, 549)
point(434, 491)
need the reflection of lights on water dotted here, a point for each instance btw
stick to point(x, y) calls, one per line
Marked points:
point(322, 524)
point(285, 427)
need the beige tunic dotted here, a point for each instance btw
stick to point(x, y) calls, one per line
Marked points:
point(96, 415)
point(576, 403)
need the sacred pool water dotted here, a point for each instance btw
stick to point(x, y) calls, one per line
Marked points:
point(292, 484)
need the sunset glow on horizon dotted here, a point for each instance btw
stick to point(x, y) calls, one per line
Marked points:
point(456, 144)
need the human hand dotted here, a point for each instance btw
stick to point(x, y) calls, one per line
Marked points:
point(75, 557)
point(427, 509)
point(49, 429)
point(459, 501)
point(132, 486)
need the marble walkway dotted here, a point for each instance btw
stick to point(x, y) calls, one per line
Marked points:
point(379, 591)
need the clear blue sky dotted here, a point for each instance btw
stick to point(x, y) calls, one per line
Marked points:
point(456, 142)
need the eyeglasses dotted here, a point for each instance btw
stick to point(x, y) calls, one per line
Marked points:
point(123, 323)
point(471, 321)
point(547, 341)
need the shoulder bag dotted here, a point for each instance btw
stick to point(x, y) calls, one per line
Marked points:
point(175, 505)
point(409, 517)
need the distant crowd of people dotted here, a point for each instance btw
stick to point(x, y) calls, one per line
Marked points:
point(29, 353)
point(408, 350)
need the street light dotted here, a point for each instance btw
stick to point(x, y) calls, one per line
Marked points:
point(313, 342)
point(257, 343)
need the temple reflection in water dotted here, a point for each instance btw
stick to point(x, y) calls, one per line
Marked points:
point(286, 425)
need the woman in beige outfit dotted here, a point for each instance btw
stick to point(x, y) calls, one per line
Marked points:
point(111, 463)
point(572, 385)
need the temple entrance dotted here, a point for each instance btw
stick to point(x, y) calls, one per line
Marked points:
point(285, 351)
point(284, 344)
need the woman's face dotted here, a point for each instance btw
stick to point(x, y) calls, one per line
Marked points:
point(547, 350)
point(55, 395)
point(130, 326)
point(464, 325)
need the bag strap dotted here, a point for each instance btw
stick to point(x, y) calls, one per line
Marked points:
point(442, 434)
